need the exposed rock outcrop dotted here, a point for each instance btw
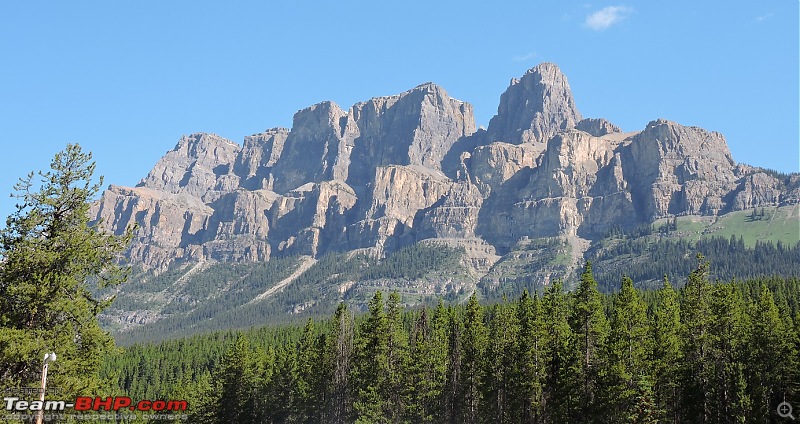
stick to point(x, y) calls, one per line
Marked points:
point(597, 127)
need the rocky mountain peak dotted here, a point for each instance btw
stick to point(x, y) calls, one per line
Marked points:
point(428, 86)
point(535, 107)
point(199, 164)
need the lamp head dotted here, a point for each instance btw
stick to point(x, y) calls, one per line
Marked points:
point(49, 357)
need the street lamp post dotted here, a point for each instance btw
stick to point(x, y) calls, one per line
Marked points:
point(48, 358)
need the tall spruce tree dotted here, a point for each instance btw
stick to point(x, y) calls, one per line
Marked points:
point(667, 354)
point(236, 382)
point(339, 359)
point(426, 368)
point(438, 352)
point(396, 356)
point(371, 365)
point(729, 331)
point(452, 392)
point(310, 375)
point(772, 357)
point(201, 398)
point(49, 254)
point(590, 328)
point(418, 390)
point(628, 349)
point(561, 395)
point(499, 366)
point(281, 391)
point(696, 319)
point(473, 347)
point(530, 354)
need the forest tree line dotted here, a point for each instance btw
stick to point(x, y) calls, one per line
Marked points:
point(707, 352)
point(730, 258)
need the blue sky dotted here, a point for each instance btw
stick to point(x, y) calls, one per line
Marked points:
point(127, 79)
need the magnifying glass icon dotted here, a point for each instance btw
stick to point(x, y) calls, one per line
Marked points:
point(785, 410)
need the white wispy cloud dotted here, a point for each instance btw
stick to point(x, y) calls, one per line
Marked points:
point(763, 18)
point(606, 17)
point(524, 57)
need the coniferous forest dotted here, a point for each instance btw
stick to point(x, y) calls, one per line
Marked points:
point(709, 352)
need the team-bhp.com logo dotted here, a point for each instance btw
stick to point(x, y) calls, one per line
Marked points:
point(85, 403)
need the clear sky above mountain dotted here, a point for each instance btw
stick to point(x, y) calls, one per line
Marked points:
point(127, 79)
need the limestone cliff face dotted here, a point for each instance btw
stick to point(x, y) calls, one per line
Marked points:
point(257, 157)
point(575, 188)
point(679, 170)
point(417, 127)
point(396, 170)
point(170, 225)
point(317, 149)
point(494, 164)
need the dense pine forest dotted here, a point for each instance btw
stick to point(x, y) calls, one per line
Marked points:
point(707, 352)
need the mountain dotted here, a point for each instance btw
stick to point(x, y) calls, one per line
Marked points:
point(394, 171)
point(377, 177)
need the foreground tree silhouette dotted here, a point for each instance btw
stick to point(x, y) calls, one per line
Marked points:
point(49, 252)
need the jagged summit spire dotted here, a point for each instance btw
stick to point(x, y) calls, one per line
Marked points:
point(545, 68)
point(535, 107)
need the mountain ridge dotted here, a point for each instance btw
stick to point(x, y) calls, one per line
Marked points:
point(395, 170)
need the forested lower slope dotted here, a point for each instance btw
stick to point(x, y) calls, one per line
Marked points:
point(195, 300)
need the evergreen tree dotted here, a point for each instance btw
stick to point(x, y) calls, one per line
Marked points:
point(729, 331)
point(266, 369)
point(667, 354)
point(438, 353)
point(281, 392)
point(310, 375)
point(236, 383)
point(530, 355)
point(339, 359)
point(49, 253)
point(371, 364)
point(628, 351)
point(499, 366)
point(561, 396)
point(473, 346)
point(426, 368)
point(397, 357)
point(418, 392)
point(590, 328)
point(453, 407)
point(644, 410)
point(201, 398)
point(696, 323)
point(772, 358)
